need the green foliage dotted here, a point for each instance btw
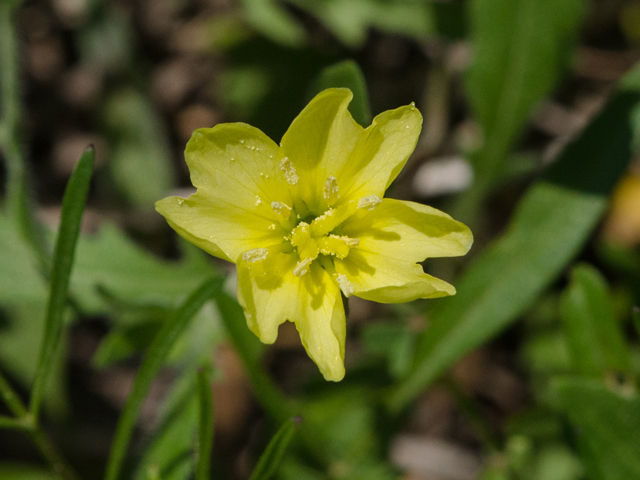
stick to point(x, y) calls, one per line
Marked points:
point(580, 359)
point(205, 424)
point(73, 203)
point(608, 423)
point(272, 457)
point(593, 333)
point(347, 74)
point(112, 263)
point(154, 359)
point(140, 159)
point(25, 472)
point(351, 20)
point(549, 226)
point(169, 450)
point(273, 21)
point(520, 49)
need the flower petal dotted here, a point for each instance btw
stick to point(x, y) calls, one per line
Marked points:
point(319, 142)
point(394, 236)
point(386, 280)
point(408, 231)
point(236, 162)
point(235, 167)
point(270, 294)
point(219, 226)
point(380, 154)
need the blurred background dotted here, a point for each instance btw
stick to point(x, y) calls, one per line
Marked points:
point(528, 137)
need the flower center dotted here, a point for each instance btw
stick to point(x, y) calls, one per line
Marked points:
point(315, 238)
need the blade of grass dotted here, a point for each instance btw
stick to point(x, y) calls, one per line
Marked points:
point(73, 203)
point(272, 457)
point(18, 198)
point(635, 316)
point(205, 430)
point(154, 359)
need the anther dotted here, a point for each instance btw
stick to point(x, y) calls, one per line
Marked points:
point(369, 202)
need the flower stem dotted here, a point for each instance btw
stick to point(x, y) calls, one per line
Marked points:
point(25, 421)
point(11, 398)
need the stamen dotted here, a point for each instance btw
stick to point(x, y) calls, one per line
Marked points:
point(331, 189)
point(255, 255)
point(301, 238)
point(352, 242)
point(281, 208)
point(289, 170)
point(345, 285)
point(338, 246)
point(330, 219)
point(302, 267)
point(369, 202)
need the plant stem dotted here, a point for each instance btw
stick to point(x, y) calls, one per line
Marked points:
point(11, 398)
point(49, 451)
point(25, 421)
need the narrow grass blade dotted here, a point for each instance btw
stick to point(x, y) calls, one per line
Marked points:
point(18, 196)
point(73, 204)
point(272, 457)
point(158, 351)
point(635, 315)
point(205, 429)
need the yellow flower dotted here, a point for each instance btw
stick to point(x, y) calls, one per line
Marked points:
point(307, 219)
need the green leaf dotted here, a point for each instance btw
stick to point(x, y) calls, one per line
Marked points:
point(25, 472)
point(546, 352)
point(112, 262)
point(158, 351)
point(341, 426)
point(170, 448)
point(557, 462)
point(350, 20)
point(348, 74)
point(20, 280)
point(608, 423)
point(122, 343)
point(392, 341)
point(549, 227)
point(140, 158)
point(205, 427)
point(635, 315)
point(593, 333)
point(272, 457)
point(19, 339)
point(520, 47)
point(75, 196)
point(274, 22)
